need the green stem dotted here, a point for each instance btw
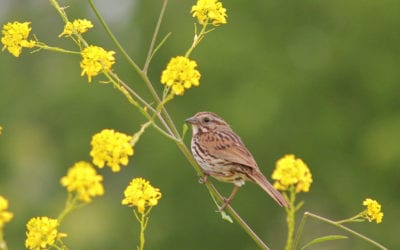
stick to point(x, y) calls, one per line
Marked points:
point(143, 223)
point(198, 37)
point(60, 10)
point(41, 46)
point(336, 224)
point(153, 40)
point(196, 40)
point(351, 219)
point(299, 232)
point(290, 217)
point(112, 37)
point(239, 219)
point(70, 204)
point(127, 91)
point(143, 220)
point(141, 74)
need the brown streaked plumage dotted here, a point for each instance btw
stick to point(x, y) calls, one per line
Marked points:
point(222, 155)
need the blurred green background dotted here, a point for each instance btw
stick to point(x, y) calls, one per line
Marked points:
point(319, 79)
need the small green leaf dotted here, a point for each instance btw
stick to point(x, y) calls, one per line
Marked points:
point(226, 217)
point(324, 239)
point(298, 206)
point(160, 45)
point(184, 130)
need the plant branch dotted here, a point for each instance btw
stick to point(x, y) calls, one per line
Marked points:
point(127, 91)
point(142, 75)
point(372, 242)
point(153, 40)
point(60, 10)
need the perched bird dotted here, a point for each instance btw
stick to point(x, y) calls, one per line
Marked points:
point(221, 154)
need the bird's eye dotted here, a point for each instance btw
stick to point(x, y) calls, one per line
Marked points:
point(206, 119)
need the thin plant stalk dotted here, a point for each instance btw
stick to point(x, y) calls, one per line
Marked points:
point(131, 62)
point(155, 34)
point(290, 217)
point(336, 224)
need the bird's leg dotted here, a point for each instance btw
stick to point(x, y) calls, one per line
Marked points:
point(203, 179)
point(227, 201)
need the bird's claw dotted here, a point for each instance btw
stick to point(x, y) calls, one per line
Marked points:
point(223, 207)
point(203, 179)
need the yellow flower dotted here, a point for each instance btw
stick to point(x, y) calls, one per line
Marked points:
point(14, 37)
point(5, 216)
point(42, 232)
point(111, 148)
point(373, 210)
point(1, 130)
point(180, 74)
point(83, 179)
point(209, 11)
point(96, 59)
point(291, 171)
point(78, 26)
point(141, 194)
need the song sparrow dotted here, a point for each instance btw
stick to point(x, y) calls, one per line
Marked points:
point(222, 155)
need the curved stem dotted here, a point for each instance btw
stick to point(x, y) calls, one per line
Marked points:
point(372, 242)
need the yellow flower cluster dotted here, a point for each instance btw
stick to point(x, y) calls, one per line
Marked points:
point(5, 216)
point(78, 26)
point(42, 233)
point(373, 210)
point(111, 148)
point(292, 171)
point(83, 179)
point(141, 194)
point(94, 60)
point(15, 37)
point(209, 11)
point(180, 74)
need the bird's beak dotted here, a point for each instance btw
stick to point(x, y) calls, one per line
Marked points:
point(192, 120)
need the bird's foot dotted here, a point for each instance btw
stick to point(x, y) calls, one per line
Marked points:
point(203, 179)
point(226, 203)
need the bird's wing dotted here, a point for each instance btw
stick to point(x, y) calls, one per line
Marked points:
point(230, 148)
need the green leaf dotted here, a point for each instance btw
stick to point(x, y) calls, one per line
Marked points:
point(160, 45)
point(226, 217)
point(298, 206)
point(184, 130)
point(324, 239)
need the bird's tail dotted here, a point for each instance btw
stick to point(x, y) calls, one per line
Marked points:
point(260, 179)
